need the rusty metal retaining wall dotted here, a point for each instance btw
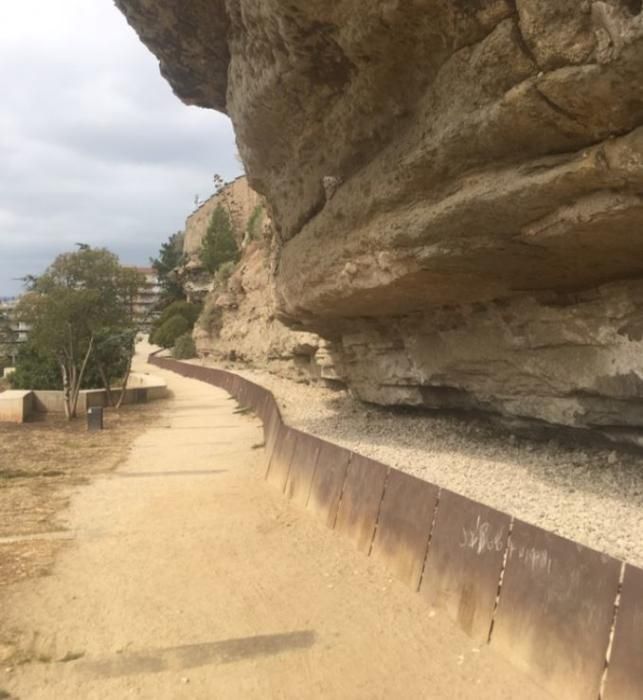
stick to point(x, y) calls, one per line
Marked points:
point(570, 617)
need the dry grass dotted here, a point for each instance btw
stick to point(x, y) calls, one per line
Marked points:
point(40, 465)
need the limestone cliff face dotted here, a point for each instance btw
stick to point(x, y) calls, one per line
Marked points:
point(240, 323)
point(237, 197)
point(240, 201)
point(240, 316)
point(456, 186)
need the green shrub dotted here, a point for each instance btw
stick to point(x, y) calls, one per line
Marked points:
point(211, 320)
point(220, 244)
point(170, 331)
point(37, 371)
point(223, 274)
point(33, 371)
point(188, 310)
point(184, 348)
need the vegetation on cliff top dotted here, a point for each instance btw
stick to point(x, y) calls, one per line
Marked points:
point(220, 243)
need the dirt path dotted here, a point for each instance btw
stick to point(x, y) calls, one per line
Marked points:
point(189, 578)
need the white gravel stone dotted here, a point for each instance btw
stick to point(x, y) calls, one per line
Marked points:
point(590, 494)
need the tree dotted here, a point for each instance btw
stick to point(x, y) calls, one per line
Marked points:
point(170, 331)
point(33, 371)
point(70, 306)
point(189, 310)
point(113, 353)
point(184, 347)
point(219, 244)
point(170, 258)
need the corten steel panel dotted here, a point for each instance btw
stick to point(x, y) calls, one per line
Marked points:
point(259, 404)
point(263, 405)
point(302, 468)
point(271, 427)
point(241, 391)
point(216, 377)
point(235, 386)
point(282, 457)
point(262, 399)
point(625, 674)
point(328, 482)
point(361, 499)
point(555, 612)
point(226, 381)
point(404, 525)
point(262, 402)
point(255, 398)
point(252, 397)
point(464, 562)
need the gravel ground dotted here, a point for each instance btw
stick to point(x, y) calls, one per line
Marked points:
point(592, 494)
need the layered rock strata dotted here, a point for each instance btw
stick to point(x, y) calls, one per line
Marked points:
point(456, 187)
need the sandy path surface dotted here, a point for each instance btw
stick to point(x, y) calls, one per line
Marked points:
point(188, 577)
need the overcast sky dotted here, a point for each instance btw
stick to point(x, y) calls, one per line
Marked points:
point(94, 147)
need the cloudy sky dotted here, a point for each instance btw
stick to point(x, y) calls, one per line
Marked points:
point(94, 147)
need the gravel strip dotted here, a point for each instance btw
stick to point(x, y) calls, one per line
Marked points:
point(590, 494)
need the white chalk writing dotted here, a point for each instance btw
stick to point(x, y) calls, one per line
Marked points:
point(536, 559)
point(481, 538)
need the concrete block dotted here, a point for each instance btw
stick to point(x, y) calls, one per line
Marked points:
point(16, 406)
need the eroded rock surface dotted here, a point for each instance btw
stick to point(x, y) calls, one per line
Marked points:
point(240, 323)
point(240, 202)
point(240, 319)
point(456, 186)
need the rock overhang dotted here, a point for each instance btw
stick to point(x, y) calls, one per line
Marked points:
point(425, 162)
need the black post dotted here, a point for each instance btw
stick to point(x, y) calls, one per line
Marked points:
point(95, 419)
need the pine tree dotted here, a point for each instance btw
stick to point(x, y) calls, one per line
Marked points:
point(219, 245)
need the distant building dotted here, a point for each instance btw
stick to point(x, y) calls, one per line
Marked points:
point(19, 329)
point(145, 308)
